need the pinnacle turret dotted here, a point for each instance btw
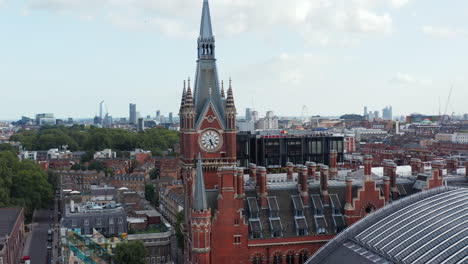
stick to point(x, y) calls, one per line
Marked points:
point(199, 196)
point(188, 96)
point(222, 90)
point(230, 97)
point(182, 103)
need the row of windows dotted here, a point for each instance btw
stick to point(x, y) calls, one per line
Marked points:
point(98, 221)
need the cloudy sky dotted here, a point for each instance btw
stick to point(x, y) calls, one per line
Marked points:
point(332, 56)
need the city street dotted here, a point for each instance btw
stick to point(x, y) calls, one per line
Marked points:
point(38, 242)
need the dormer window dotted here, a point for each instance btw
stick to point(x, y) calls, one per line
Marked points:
point(318, 206)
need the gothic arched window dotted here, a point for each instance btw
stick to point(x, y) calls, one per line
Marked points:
point(290, 258)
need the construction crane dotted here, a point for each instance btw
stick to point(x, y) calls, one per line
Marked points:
point(305, 114)
point(447, 103)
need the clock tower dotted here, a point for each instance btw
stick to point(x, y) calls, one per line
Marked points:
point(207, 116)
point(207, 136)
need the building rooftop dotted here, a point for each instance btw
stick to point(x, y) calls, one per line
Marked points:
point(8, 218)
point(427, 227)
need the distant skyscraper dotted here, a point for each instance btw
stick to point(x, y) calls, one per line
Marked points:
point(100, 112)
point(248, 114)
point(171, 118)
point(141, 124)
point(376, 114)
point(387, 113)
point(255, 116)
point(365, 112)
point(133, 114)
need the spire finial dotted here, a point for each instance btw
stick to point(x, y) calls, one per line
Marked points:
point(206, 31)
point(222, 90)
point(199, 199)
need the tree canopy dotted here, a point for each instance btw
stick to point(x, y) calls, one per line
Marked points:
point(79, 137)
point(23, 183)
point(130, 252)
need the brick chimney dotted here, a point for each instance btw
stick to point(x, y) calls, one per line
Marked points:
point(324, 183)
point(262, 187)
point(333, 164)
point(452, 165)
point(386, 188)
point(240, 183)
point(311, 170)
point(290, 168)
point(304, 187)
point(416, 166)
point(466, 169)
point(439, 164)
point(253, 171)
point(368, 167)
point(349, 194)
point(436, 178)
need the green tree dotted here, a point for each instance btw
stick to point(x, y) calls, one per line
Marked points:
point(134, 165)
point(154, 174)
point(8, 147)
point(130, 252)
point(96, 165)
point(23, 183)
point(150, 194)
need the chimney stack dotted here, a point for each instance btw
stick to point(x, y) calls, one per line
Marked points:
point(439, 164)
point(368, 167)
point(324, 183)
point(311, 169)
point(452, 165)
point(290, 168)
point(416, 166)
point(349, 193)
point(240, 183)
point(333, 164)
point(304, 188)
point(262, 187)
point(386, 182)
point(253, 172)
point(466, 169)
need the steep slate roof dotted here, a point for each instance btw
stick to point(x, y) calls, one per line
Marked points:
point(206, 31)
point(206, 79)
point(427, 227)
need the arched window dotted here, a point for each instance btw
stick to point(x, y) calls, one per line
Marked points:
point(257, 260)
point(277, 259)
point(290, 258)
point(303, 256)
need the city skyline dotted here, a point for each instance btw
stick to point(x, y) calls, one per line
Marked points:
point(120, 53)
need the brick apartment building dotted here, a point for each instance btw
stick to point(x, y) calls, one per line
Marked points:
point(11, 235)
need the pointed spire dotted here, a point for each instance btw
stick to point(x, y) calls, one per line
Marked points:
point(206, 31)
point(183, 97)
point(199, 196)
point(230, 96)
point(188, 95)
point(222, 90)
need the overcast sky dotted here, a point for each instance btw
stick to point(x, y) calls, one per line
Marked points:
point(333, 56)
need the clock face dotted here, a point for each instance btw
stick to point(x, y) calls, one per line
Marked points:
point(210, 140)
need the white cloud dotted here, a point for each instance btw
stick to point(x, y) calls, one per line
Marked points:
point(398, 3)
point(443, 32)
point(316, 21)
point(406, 79)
